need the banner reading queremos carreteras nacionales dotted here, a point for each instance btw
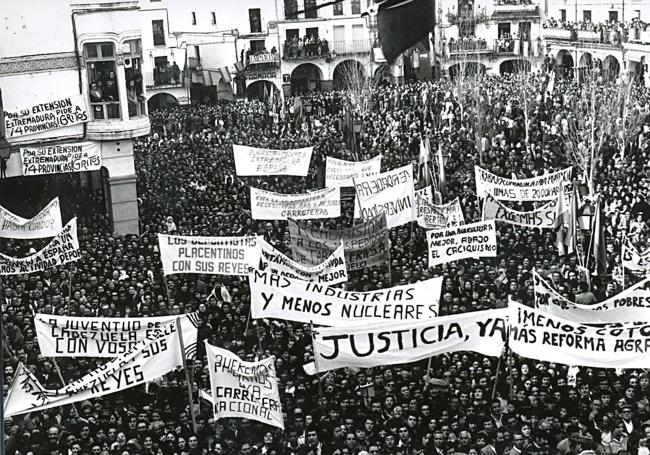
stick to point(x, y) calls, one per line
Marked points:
point(542, 336)
point(62, 249)
point(366, 243)
point(541, 188)
point(388, 343)
point(341, 173)
point(62, 158)
point(542, 217)
point(252, 161)
point(47, 116)
point(467, 241)
point(267, 205)
point(247, 390)
point(75, 336)
point(210, 255)
point(47, 223)
point(279, 297)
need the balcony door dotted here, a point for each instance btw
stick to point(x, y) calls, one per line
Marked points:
point(338, 35)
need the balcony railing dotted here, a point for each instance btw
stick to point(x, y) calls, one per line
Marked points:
point(459, 49)
point(106, 110)
point(351, 47)
point(266, 57)
point(324, 49)
point(502, 7)
point(602, 36)
point(162, 79)
point(194, 63)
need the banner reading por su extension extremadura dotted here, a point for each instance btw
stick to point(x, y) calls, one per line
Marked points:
point(62, 158)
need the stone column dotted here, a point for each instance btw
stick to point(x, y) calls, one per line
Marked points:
point(120, 184)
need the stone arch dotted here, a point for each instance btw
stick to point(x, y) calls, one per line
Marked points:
point(161, 101)
point(610, 68)
point(261, 89)
point(469, 69)
point(517, 65)
point(306, 77)
point(346, 71)
point(564, 64)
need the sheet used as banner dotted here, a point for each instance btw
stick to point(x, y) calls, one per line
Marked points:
point(76, 336)
point(252, 161)
point(390, 343)
point(210, 255)
point(341, 173)
point(542, 217)
point(279, 297)
point(247, 390)
point(331, 271)
point(62, 249)
point(390, 193)
point(541, 336)
point(62, 158)
point(147, 360)
point(434, 216)
point(541, 188)
point(46, 116)
point(267, 205)
point(633, 304)
point(467, 241)
point(47, 223)
point(366, 243)
point(422, 197)
point(635, 260)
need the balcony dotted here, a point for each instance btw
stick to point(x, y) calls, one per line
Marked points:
point(194, 63)
point(462, 49)
point(264, 58)
point(162, 79)
point(351, 47)
point(515, 6)
point(323, 49)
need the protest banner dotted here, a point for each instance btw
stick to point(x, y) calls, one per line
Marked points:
point(365, 244)
point(461, 242)
point(542, 188)
point(210, 255)
point(390, 343)
point(390, 193)
point(252, 161)
point(279, 297)
point(635, 260)
point(62, 158)
point(62, 249)
point(422, 198)
point(331, 271)
point(341, 173)
point(47, 223)
point(47, 116)
point(248, 390)
point(147, 360)
point(75, 336)
point(434, 216)
point(267, 205)
point(542, 217)
point(633, 304)
point(541, 336)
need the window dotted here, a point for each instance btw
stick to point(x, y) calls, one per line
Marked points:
point(586, 15)
point(290, 8)
point(563, 15)
point(613, 16)
point(310, 9)
point(338, 9)
point(312, 32)
point(255, 20)
point(132, 54)
point(193, 18)
point(158, 29)
point(258, 45)
point(292, 33)
point(214, 18)
point(356, 6)
point(102, 81)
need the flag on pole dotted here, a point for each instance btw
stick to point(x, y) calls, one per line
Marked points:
point(424, 172)
point(566, 221)
point(442, 179)
point(598, 239)
point(225, 295)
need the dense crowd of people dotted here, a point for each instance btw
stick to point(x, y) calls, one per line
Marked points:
point(466, 404)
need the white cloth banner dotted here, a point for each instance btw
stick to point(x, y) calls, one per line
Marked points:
point(542, 336)
point(390, 343)
point(47, 223)
point(390, 193)
point(62, 158)
point(434, 216)
point(266, 205)
point(635, 260)
point(467, 241)
point(279, 297)
point(74, 336)
point(47, 116)
point(252, 161)
point(542, 188)
point(341, 173)
point(148, 360)
point(331, 271)
point(247, 390)
point(62, 249)
point(423, 198)
point(210, 255)
point(542, 217)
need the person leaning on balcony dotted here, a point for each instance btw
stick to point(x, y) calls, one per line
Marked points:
point(176, 73)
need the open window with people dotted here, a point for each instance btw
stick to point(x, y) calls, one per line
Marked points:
point(102, 80)
point(132, 52)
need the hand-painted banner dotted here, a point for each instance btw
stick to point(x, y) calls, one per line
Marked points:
point(441, 216)
point(252, 161)
point(542, 217)
point(366, 244)
point(633, 304)
point(74, 336)
point(209, 255)
point(390, 343)
point(635, 260)
point(62, 158)
point(46, 116)
point(341, 173)
point(279, 297)
point(47, 223)
point(423, 199)
point(331, 271)
point(147, 360)
point(467, 241)
point(541, 336)
point(62, 249)
point(266, 205)
point(542, 188)
point(242, 389)
point(390, 193)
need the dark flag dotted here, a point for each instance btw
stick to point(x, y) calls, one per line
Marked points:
point(402, 23)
